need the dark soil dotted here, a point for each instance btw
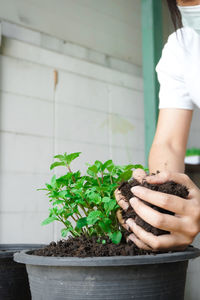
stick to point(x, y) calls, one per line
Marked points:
point(168, 188)
point(88, 247)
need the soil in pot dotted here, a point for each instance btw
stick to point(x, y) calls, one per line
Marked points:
point(93, 247)
point(89, 247)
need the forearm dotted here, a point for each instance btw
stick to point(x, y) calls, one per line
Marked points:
point(164, 157)
point(170, 141)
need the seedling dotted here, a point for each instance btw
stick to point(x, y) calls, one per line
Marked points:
point(86, 205)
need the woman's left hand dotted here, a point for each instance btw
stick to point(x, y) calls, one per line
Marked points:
point(183, 226)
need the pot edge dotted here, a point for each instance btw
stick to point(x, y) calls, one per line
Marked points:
point(23, 257)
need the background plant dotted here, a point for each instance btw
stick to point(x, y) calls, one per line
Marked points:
point(86, 204)
point(192, 151)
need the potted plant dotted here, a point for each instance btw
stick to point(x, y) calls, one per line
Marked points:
point(96, 262)
point(13, 276)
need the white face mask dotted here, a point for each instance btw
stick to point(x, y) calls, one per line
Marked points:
point(191, 16)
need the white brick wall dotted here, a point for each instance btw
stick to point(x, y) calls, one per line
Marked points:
point(94, 109)
point(111, 27)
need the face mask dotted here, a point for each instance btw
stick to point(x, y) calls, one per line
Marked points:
point(191, 16)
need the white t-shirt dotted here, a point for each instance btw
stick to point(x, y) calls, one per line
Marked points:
point(179, 70)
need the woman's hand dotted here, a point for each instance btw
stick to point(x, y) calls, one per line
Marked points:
point(183, 226)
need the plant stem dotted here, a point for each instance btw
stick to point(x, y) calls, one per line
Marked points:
point(102, 177)
point(70, 171)
point(74, 219)
point(102, 194)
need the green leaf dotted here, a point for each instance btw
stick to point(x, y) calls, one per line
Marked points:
point(105, 225)
point(64, 231)
point(126, 175)
point(129, 167)
point(105, 199)
point(70, 157)
point(63, 194)
point(93, 217)
point(60, 157)
point(99, 165)
point(107, 164)
point(53, 180)
point(92, 171)
point(138, 166)
point(67, 215)
point(115, 237)
point(49, 220)
point(57, 202)
point(94, 198)
point(65, 178)
point(81, 222)
point(49, 187)
point(56, 164)
point(109, 204)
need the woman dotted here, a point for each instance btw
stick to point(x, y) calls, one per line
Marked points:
point(179, 76)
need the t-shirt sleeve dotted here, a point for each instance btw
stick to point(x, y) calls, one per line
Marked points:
point(173, 91)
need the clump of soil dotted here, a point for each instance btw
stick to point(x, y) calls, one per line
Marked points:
point(89, 247)
point(169, 187)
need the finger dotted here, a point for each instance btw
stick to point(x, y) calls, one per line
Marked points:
point(166, 201)
point(121, 200)
point(163, 177)
point(139, 175)
point(121, 220)
point(155, 218)
point(158, 243)
point(138, 243)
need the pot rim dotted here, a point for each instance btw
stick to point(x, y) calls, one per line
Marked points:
point(7, 250)
point(29, 259)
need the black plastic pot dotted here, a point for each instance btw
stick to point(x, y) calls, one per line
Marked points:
point(13, 277)
point(148, 277)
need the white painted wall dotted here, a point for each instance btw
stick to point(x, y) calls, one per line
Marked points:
point(110, 27)
point(93, 109)
point(96, 108)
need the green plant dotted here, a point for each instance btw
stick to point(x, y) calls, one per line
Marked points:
point(86, 204)
point(192, 151)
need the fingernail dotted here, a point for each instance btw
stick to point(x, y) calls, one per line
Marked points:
point(133, 201)
point(136, 189)
point(129, 222)
point(125, 206)
point(131, 237)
